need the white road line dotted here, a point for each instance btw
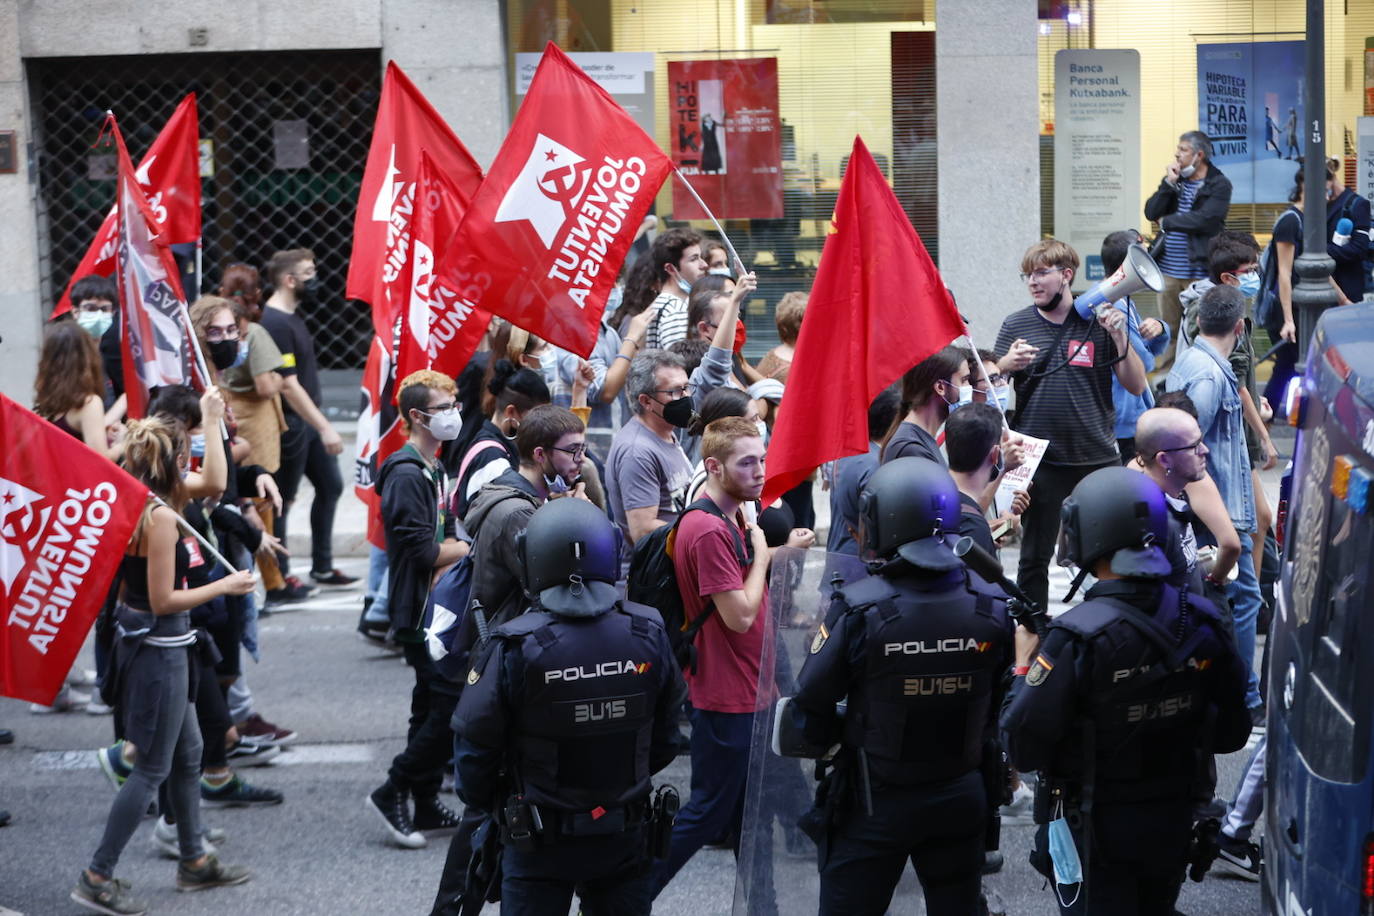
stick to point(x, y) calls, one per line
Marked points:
point(296, 755)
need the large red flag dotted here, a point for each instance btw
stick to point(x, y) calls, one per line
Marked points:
point(548, 230)
point(382, 229)
point(170, 175)
point(379, 433)
point(878, 307)
point(66, 514)
point(158, 343)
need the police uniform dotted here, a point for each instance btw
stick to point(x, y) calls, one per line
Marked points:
point(921, 650)
point(565, 717)
point(1127, 693)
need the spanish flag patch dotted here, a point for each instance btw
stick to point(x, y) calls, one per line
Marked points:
point(1039, 671)
point(821, 636)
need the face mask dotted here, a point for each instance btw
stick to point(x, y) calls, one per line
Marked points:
point(964, 396)
point(741, 335)
point(224, 353)
point(719, 271)
point(445, 424)
point(1003, 397)
point(311, 287)
point(679, 411)
point(95, 323)
point(1187, 171)
point(554, 482)
point(1064, 854)
point(1053, 303)
point(198, 445)
point(1250, 283)
point(683, 285)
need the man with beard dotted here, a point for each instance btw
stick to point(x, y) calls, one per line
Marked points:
point(310, 443)
point(1062, 366)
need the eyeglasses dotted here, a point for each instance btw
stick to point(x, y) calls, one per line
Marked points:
point(578, 452)
point(106, 307)
point(997, 379)
point(1039, 273)
point(1197, 447)
point(682, 391)
point(439, 408)
point(215, 332)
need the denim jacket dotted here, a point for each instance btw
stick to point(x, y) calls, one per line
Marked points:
point(1206, 377)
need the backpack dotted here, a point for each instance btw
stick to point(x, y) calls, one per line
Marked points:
point(1268, 309)
point(653, 581)
point(444, 613)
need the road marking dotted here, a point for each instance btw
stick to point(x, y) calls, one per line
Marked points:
point(5, 911)
point(296, 755)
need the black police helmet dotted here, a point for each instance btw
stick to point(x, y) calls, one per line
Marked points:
point(1119, 513)
point(570, 552)
point(906, 508)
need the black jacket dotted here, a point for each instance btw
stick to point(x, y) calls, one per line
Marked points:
point(1203, 221)
point(411, 519)
point(1349, 270)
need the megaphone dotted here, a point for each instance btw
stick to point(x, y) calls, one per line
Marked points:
point(1137, 272)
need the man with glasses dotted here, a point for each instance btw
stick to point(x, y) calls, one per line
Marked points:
point(1062, 366)
point(1204, 373)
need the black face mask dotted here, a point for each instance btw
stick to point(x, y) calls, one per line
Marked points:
point(223, 353)
point(1053, 303)
point(679, 411)
point(309, 288)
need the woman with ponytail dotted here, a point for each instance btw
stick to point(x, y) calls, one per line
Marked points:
point(151, 674)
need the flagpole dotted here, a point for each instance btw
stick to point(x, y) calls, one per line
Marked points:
point(200, 284)
point(734, 256)
point(196, 534)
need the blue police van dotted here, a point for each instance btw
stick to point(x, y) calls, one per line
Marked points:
point(1319, 794)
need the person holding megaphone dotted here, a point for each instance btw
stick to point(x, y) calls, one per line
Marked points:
point(1062, 363)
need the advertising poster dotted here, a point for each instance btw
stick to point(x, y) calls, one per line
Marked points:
point(1364, 157)
point(1096, 150)
point(1250, 104)
point(628, 76)
point(724, 136)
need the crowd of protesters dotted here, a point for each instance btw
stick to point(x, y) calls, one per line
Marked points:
point(629, 429)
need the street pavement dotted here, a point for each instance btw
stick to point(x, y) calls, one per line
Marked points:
point(320, 851)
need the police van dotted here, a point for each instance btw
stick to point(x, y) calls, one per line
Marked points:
point(1319, 793)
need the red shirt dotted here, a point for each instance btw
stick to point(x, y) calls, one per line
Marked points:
point(727, 676)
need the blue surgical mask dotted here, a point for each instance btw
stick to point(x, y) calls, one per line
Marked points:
point(95, 323)
point(1003, 397)
point(197, 445)
point(719, 271)
point(243, 354)
point(1250, 283)
point(683, 285)
point(1068, 869)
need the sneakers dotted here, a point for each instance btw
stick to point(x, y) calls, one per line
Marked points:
point(293, 592)
point(212, 874)
point(82, 677)
point(249, 753)
point(256, 728)
point(1238, 857)
point(97, 708)
point(66, 700)
point(112, 764)
point(332, 579)
point(6, 736)
point(111, 897)
point(1020, 810)
point(993, 862)
point(164, 839)
point(433, 817)
point(374, 631)
point(390, 806)
point(237, 794)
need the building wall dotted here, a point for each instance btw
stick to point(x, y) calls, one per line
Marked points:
point(452, 49)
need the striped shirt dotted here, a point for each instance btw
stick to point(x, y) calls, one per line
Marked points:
point(671, 324)
point(1176, 262)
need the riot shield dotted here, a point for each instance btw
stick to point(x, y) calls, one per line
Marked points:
point(777, 869)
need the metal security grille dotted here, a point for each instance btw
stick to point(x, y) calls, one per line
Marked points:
point(267, 190)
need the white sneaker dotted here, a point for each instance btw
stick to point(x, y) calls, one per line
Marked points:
point(164, 839)
point(1022, 806)
point(66, 700)
point(97, 708)
point(82, 677)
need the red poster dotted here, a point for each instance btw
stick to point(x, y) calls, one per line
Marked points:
point(723, 115)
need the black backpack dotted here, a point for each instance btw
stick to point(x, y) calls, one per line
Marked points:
point(653, 581)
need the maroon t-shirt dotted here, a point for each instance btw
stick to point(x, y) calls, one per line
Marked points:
point(727, 675)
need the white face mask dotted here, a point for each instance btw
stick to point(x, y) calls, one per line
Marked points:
point(446, 424)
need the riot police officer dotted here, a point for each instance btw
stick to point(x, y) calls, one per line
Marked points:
point(921, 649)
point(1114, 709)
point(567, 713)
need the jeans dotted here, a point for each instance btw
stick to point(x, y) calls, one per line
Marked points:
point(1245, 605)
point(1249, 797)
point(378, 577)
point(720, 770)
point(174, 753)
point(419, 769)
point(302, 453)
point(1040, 525)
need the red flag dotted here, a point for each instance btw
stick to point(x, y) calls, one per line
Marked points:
point(159, 345)
point(877, 308)
point(170, 175)
point(406, 125)
point(549, 228)
point(66, 514)
point(379, 433)
point(439, 326)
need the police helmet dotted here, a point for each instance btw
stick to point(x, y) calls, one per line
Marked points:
point(570, 553)
point(1119, 513)
point(905, 510)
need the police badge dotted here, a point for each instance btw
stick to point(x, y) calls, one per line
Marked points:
point(1039, 671)
point(821, 636)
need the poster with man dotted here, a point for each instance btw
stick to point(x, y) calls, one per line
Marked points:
point(1250, 105)
point(725, 138)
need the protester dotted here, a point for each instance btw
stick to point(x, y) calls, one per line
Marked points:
point(95, 305)
point(68, 389)
point(1353, 249)
point(510, 393)
point(787, 317)
point(929, 390)
point(973, 441)
point(852, 472)
point(661, 282)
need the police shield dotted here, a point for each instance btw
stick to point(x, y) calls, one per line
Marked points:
point(777, 867)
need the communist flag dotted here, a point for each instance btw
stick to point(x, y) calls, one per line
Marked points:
point(66, 514)
point(170, 176)
point(383, 228)
point(549, 228)
point(877, 308)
